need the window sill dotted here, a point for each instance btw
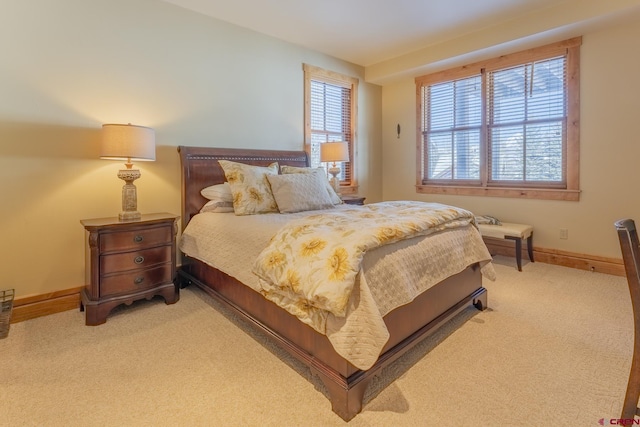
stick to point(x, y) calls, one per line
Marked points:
point(516, 193)
point(348, 189)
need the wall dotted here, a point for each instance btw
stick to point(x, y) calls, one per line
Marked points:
point(69, 66)
point(610, 150)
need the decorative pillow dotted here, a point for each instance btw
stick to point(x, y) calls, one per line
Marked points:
point(218, 192)
point(250, 187)
point(217, 206)
point(299, 192)
point(335, 199)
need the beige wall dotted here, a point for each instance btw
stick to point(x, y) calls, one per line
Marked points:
point(610, 151)
point(68, 66)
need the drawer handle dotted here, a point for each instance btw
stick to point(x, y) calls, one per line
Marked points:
point(138, 280)
point(138, 238)
point(139, 260)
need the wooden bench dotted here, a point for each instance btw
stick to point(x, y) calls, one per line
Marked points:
point(516, 232)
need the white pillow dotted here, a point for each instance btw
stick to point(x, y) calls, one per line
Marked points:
point(250, 187)
point(218, 192)
point(217, 206)
point(299, 192)
point(335, 199)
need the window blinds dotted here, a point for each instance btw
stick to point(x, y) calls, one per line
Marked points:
point(526, 115)
point(520, 141)
point(453, 122)
point(330, 117)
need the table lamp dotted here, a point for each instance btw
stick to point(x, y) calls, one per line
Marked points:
point(128, 142)
point(332, 152)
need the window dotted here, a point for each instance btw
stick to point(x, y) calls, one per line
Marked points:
point(330, 101)
point(505, 127)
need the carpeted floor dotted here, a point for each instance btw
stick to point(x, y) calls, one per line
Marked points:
point(553, 348)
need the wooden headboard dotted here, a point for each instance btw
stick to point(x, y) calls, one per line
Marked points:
point(200, 168)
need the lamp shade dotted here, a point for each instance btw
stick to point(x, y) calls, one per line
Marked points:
point(128, 142)
point(334, 152)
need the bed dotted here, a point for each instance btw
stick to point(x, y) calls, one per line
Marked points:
point(407, 324)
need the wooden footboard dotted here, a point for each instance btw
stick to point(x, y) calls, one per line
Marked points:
point(346, 384)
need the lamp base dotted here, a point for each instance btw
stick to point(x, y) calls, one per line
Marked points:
point(129, 195)
point(334, 181)
point(129, 216)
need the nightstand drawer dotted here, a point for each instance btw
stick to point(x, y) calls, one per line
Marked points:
point(143, 238)
point(134, 260)
point(136, 280)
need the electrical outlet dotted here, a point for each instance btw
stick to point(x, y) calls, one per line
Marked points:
point(564, 233)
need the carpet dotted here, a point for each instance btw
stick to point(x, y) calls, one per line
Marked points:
point(553, 347)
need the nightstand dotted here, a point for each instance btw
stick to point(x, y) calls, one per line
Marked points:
point(353, 200)
point(126, 261)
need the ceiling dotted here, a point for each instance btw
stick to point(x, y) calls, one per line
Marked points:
point(368, 32)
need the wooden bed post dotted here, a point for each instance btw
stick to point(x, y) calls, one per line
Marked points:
point(346, 397)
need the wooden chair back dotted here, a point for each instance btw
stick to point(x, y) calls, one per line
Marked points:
point(631, 256)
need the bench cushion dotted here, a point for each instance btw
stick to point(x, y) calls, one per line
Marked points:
point(507, 229)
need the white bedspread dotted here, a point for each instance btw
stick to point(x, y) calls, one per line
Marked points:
point(391, 275)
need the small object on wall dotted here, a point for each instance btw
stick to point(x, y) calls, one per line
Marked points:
point(128, 142)
point(398, 130)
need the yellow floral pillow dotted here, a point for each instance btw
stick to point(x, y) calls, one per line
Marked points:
point(250, 187)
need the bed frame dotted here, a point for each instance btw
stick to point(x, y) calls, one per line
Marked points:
point(345, 383)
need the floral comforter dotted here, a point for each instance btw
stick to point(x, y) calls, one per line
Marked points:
point(311, 264)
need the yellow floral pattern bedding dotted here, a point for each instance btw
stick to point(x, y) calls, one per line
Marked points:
point(311, 264)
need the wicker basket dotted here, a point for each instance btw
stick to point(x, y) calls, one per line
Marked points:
point(6, 306)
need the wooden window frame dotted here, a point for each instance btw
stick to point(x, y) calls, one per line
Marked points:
point(570, 48)
point(349, 186)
